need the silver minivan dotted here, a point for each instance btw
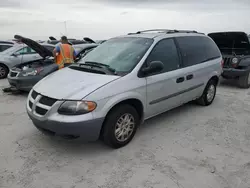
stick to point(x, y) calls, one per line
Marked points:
point(125, 81)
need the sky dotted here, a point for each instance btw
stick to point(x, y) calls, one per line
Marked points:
point(103, 19)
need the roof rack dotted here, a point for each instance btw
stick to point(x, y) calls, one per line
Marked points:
point(167, 31)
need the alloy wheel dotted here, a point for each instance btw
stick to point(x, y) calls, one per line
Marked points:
point(124, 127)
point(210, 93)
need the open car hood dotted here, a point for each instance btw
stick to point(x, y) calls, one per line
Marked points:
point(231, 42)
point(42, 51)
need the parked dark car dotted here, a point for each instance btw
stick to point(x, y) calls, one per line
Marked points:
point(235, 49)
point(24, 76)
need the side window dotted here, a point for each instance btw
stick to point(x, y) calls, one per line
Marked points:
point(25, 51)
point(166, 52)
point(197, 49)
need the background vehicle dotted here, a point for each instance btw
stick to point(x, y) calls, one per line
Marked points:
point(125, 81)
point(71, 41)
point(235, 48)
point(4, 45)
point(18, 53)
point(25, 75)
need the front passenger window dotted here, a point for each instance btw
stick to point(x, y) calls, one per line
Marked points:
point(166, 52)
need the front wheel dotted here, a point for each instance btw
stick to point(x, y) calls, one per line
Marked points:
point(3, 71)
point(208, 95)
point(244, 81)
point(120, 126)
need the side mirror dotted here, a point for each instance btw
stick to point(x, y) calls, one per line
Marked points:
point(15, 54)
point(154, 67)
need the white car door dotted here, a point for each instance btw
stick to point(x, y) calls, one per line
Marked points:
point(163, 88)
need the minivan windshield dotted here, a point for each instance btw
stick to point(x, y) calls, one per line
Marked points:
point(119, 54)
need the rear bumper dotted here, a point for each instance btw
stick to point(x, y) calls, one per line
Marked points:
point(24, 83)
point(231, 72)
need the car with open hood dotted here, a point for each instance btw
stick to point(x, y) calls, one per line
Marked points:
point(235, 49)
point(25, 75)
point(16, 54)
point(125, 81)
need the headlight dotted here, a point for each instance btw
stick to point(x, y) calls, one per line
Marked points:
point(76, 107)
point(235, 60)
point(31, 73)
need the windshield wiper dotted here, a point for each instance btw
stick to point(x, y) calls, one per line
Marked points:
point(101, 65)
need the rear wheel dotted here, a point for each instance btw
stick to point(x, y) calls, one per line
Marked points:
point(120, 126)
point(244, 81)
point(209, 93)
point(3, 71)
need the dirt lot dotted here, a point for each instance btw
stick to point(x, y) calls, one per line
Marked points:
point(188, 147)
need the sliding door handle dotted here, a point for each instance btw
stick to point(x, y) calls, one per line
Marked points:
point(189, 77)
point(179, 80)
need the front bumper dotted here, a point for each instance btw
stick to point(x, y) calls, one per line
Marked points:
point(86, 125)
point(232, 73)
point(24, 83)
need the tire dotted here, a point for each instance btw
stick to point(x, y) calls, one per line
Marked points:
point(244, 81)
point(206, 99)
point(111, 125)
point(3, 71)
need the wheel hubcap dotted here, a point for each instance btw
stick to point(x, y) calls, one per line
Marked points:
point(2, 72)
point(124, 127)
point(210, 93)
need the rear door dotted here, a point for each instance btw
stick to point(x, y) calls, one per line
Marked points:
point(163, 87)
point(200, 57)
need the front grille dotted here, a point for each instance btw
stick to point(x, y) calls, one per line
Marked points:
point(43, 103)
point(227, 62)
point(30, 104)
point(34, 94)
point(47, 101)
point(13, 74)
point(41, 111)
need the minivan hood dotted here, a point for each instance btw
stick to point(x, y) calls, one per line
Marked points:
point(231, 42)
point(41, 50)
point(71, 84)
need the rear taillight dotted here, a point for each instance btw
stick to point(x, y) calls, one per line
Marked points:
point(222, 63)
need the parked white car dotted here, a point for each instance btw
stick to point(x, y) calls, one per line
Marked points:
point(125, 81)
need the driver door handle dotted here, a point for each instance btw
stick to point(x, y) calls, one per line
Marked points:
point(189, 77)
point(179, 80)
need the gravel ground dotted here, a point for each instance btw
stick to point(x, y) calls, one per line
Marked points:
point(189, 147)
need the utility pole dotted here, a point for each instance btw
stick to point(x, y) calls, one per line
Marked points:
point(65, 27)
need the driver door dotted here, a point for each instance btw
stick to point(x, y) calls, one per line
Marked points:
point(163, 88)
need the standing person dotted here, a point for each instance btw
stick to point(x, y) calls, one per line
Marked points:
point(64, 53)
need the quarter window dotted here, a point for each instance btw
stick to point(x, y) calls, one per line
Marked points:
point(166, 52)
point(197, 49)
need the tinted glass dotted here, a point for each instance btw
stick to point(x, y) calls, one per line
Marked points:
point(166, 52)
point(50, 48)
point(197, 49)
point(121, 54)
point(4, 47)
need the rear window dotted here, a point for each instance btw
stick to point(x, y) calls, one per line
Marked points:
point(197, 49)
point(230, 40)
point(4, 47)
